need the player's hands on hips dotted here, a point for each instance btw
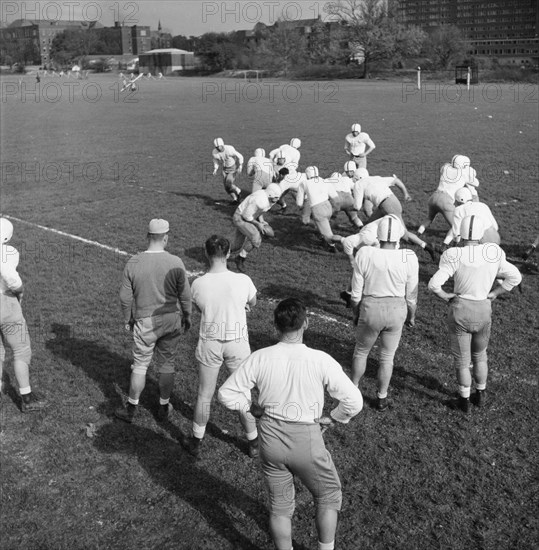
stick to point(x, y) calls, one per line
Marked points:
point(326, 422)
point(256, 410)
point(129, 325)
point(408, 198)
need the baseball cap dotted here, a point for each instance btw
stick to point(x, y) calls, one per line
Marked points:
point(158, 226)
point(6, 230)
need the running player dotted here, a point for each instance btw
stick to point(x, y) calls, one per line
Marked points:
point(287, 155)
point(384, 297)
point(232, 165)
point(249, 222)
point(358, 145)
point(344, 186)
point(261, 170)
point(319, 192)
point(474, 267)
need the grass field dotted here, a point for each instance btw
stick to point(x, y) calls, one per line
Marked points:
point(92, 163)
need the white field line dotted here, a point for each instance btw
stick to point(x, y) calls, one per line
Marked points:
point(124, 253)
point(87, 241)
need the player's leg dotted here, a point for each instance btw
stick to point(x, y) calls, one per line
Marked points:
point(368, 329)
point(479, 346)
point(433, 210)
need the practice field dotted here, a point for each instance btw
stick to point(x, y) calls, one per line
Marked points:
point(80, 159)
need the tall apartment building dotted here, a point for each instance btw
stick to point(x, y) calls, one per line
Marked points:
point(505, 29)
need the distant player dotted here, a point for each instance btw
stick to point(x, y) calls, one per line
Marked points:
point(319, 192)
point(358, 145)
point(384, 297)
point(250, 224)
point(261, 170)
point(474, 267)
point(465, 206)
point(232, 165)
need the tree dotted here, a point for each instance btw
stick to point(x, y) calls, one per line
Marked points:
point(325, 44)
point(374, 33)
point(72, 44)
point(446, 46)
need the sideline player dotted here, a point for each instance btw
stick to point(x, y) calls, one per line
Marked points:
point(223, 297)
point(154, 283)
point(466, 206)
point(377, 190)
point(249, 222)
point(358, 145)
point(232, 162)
point(261, 170)
point(291, 379)
point(384, 297)
point(13, 329)
point(318, 191)
point(453, 176)
point(474, 267)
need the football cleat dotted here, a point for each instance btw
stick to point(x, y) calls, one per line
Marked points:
point(191, 445)
point(253, 448)
point(31, 402)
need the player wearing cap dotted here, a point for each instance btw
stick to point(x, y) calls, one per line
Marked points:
point(358, 145)
point(154, 282)
point(223, 297)
point(474, 267)
point(464, 207)
point(291, 379)
point(249, 222)
point(13, 329)
point(453, 176)
point(318, 192)
point(232, 163)
point(261, 170)
point(384, 297)
point(377, 190)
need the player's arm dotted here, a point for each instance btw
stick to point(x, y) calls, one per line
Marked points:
point(445, 271)
point(510, 275)
point(126, 298)
point(358, 282)
point(240, 159)
point(347, 145)
point(341, 388)
point(183, 290)
point(235, 393)
point(400, 185)
point(300, 195)
point(216, 162)
point(411, 288)
point(370, 146)
point(358, 194)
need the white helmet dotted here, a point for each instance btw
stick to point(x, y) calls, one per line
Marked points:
point(295, 142)
point(6, 230)
point(389, 229)
point(260, 153)
point(273, 191)
point(311, 172)
point(350, 166)
point(460, 161)
point(356, 127)
point(463, 195)
point(361, 173)
point(218, 142)
point(472, 228)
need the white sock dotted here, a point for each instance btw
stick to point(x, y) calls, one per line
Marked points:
point(464, 391)
point(481, 387)
point(132, 401)
point(252, 435)
point(25, 391)
point(381, 395)
point(326, 545)
point(198, 431)
point(164, 401)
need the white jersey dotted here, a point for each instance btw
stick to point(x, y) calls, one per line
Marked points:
point(262, 172)
point(356, 145)
point(9, 277)
point(228, 153)
point(454, 178)
point(291, 379)
point(474, 269)
point(479, 209)
point(373, 188)
point(342, 183)
point(383, 272)
point(316, 190)
point(293, 181)
point(254, 205)
point(290, 154)
point(222, 299)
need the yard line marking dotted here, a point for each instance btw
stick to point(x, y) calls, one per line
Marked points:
point(124, 253)
point(87, 241)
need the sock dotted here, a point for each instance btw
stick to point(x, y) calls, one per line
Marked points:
point(133, 402)
point(481, 387)
point(326, 545)
point(243, 254)
point(198, 431)
point(381, 395)
point(164, 401)
point(251, 435)
point(421, 230)
point(464, 391)
point(423, 244)
point(25, 391)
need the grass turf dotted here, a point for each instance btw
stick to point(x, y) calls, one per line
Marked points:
point(418, 476)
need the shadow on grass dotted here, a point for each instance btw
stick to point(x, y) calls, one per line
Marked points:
point(223, 204)
point(169, 466)
point(112, 372)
